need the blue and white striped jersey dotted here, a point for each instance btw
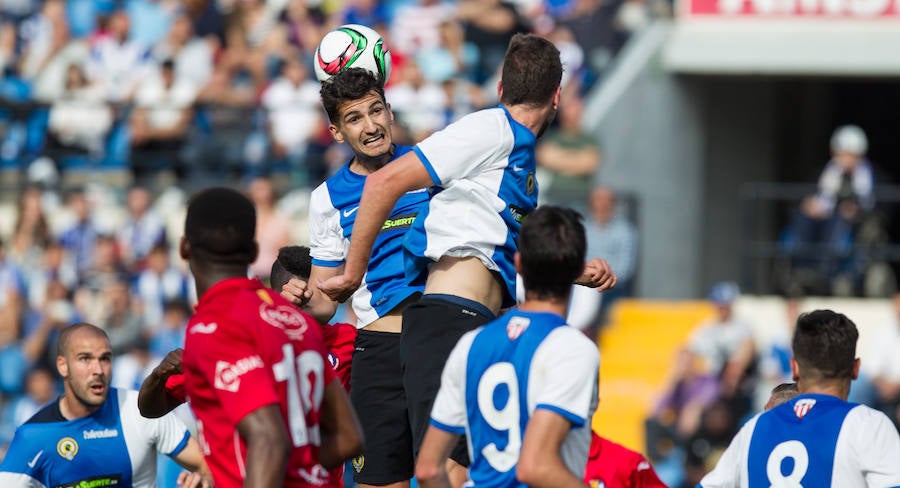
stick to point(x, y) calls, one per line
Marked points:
point(332, 213)
point(483, 169)
point(114, 446)
point(812, 441)
point(499, 374)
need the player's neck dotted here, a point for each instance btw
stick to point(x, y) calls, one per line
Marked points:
point(207, 276)
point(837, 388)
point(534, 118)
point(364, 165)
point(72, 409)
point(532, 303)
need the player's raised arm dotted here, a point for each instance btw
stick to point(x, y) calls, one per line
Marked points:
point(154, 399)
point(383, 188)
point(342, 436)
point(268, 447)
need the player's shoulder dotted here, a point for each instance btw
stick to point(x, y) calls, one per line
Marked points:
point(574, 341)
point(48, 414)
point(861, 417)
point(481, 123)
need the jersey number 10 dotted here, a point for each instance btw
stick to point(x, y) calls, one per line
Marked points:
point(304, 376)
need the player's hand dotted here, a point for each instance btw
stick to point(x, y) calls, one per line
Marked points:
point(339, 288)
point(171, 364)
point(597, 274)
point(194, 480)
point(297, 292)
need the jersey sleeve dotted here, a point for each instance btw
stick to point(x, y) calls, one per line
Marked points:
point(876, 446)
point(175, 387)
point(564, 377)
point(727, 473)
point(23, 466)
point(327, 245)
point(228, 360)
point(449, 410)
point(465, 147)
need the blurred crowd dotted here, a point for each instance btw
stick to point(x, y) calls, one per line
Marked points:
point(162, 91)
point(112, 112)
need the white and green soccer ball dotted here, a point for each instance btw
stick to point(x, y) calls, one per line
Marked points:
point(352, 45)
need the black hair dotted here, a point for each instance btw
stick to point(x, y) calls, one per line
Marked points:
point(292, 262)
point(531, 71)
point(348, 85)
point(552, 249)
point(220, 227)
point(824, 345)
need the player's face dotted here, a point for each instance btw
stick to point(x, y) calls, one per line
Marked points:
point(365, 125)
point(86, 369)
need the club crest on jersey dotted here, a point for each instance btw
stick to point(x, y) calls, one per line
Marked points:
point(529, 184)
point(803, 406)
point(228, 375)
point(67, 448)
point(286, 318)
point(333, 360)
point(358, 462)
point(516, 326)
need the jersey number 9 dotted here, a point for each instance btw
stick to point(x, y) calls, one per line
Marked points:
point(505, 419)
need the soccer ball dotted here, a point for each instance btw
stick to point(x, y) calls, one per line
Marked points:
point(352, 45)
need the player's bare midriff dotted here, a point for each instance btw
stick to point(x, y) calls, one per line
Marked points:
point(391, 321)
point(466, 278)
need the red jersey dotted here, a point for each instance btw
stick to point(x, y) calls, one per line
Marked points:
point(245, 348)
point(612, 465)
point(339, 340)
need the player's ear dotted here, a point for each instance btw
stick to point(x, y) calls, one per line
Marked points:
point(184, 248)
point(855, 368)
point(500, 89)
point(517, 262)
point(62, 366)
point(556, 97)
point(795, 370)
point(336, 134)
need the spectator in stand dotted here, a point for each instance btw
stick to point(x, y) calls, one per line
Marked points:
point(272, 228)
point(44, 323)
point(417, 103)
point(105, 270)
point(489, 24)
point(121, 320)
point(774, 364)
point(884, 367)
point(160, 122)
point(143, 228)
point(453, 57)
point(593, 24)
point(156, 19)
point(370, 13)
point(43, 35)
point(170, 335)
point(79, 120)
point(158, 284)
point(612, 236)
point(40, 389)
point(718, 425)
point(567, 158)
point(117, 64)
point(79, 239)
point(8, 35)
point(12, 293)
point(31, 233)
point(295, 116)
point(56, 266)
point(416, 26)
point(192, 55)
point(823, 231)
point(724, 345)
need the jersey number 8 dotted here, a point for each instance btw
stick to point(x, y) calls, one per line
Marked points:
point(304, 392)
point(788, 449)
point(503, 419)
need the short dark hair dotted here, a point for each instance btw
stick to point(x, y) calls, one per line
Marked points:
point(824, 345)
point(552, 249)
point(292, 261)
point(531, 71)
point(783, 393)
point(66, 333)
point(348, 85)
point(220, 227)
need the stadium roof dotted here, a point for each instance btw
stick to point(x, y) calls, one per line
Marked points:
point(826, 47)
